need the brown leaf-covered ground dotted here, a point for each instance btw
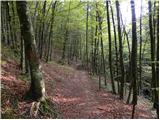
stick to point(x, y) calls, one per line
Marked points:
point(73, 92)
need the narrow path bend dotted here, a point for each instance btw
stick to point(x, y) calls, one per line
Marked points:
point(77, 96)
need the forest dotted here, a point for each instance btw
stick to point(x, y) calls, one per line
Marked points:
point(80, 59)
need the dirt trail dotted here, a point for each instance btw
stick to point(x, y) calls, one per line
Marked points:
point(77, 96)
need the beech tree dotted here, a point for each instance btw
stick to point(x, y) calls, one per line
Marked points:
point(120, 51)
point(110, 46)
point(37, 88)
point(134, 57)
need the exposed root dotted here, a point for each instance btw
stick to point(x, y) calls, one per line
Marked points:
point(43, 108)
point(34, 109)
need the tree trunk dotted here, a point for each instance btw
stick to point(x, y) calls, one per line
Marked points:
point(134, 56)
point(95, 49)
point(50, 33)
point(153, 82)
point(157, 67)
point(10, 26)
point(140, 52)
point(37, 88)
point(116, 49)
point(42, 32)
point(14, 23)
point(66, 33)
point(110, 46)
point(120, 51)
point(87, 35)
point(102, 54)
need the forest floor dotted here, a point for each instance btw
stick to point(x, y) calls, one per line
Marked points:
point(73, 93)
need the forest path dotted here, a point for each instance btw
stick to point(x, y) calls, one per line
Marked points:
point(77, 95)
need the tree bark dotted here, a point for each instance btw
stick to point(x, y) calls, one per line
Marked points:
point(37, 88)
point(50, 33)
point(87, 35)
point(134, 57)
point(66, 34)
point(99, 18)
point(42, 32)
point(134, 53)
point(120, 51)
point(110, 46)
point(140, 52)
point(153, 82)
point(116, 49)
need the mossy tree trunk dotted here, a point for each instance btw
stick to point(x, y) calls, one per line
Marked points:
point(37, 88)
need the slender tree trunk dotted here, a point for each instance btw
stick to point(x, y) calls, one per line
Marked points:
point(22, 55)
point(116, 49)
point(126, 35)
point(92, 50)
point(50, 33)
point(110, 46)
point(102, 55)
point(95, 48)
point(42, 32)
point(134, 57)
point(14, 23)
point(34, 17)
point(87, 35)
point(153, 82)
point(140, 52)
point(156, 102)
point(7, 23)
point(66, 34)
point(10, 26)
point(120, 51)
point(37, 88)
point(157, 65)
point(3, 38)
point(4, 13)
point(102, 49)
